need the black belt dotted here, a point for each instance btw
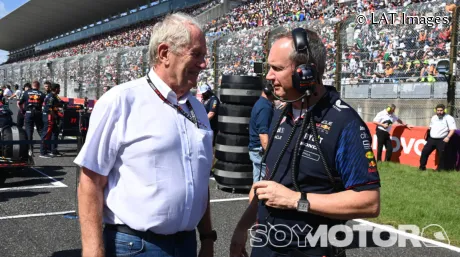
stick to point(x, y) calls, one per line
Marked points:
point(147, 235)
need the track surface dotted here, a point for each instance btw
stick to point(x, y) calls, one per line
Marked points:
point(49, 189)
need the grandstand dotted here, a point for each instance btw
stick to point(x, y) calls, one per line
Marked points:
point(372, 65)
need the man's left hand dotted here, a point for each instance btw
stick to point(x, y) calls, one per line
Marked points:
point(276, 195)
point(207, 248)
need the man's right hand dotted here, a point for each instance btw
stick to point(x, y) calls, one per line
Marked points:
point(238, 243)
point(384, 125)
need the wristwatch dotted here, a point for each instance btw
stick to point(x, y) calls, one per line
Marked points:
point(211, 235)
point(303, 205)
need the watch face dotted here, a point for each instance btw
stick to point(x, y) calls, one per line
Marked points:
point(303, 206)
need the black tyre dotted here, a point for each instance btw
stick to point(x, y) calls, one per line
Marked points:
point(17, 151)
point(241, 82)
point(243, 90)
point(234, 119)
point(232, 148)
point(235, 110)
point(233, 174)
point(239, 96)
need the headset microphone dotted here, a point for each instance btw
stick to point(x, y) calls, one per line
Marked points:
point(269, 88)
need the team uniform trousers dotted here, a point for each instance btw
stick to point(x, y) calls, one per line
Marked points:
point(383, 139)
point(430, 146)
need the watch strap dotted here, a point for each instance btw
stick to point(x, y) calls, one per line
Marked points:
point(303, 196)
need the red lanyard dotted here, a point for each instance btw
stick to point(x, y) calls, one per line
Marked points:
point(191, 116)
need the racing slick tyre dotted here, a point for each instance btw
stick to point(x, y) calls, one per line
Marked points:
point(16, 152)
point(233, 175)
point(244, 90)
point(234, 119)
point(232, 148)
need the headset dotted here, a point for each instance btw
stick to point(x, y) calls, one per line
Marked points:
point(305, 76)
point(304, 80)
point(445, 110)
point(267, 90)
point(390, 107)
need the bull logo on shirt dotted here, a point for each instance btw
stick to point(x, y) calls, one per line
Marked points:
point(369, 155)
point(324, 126)
point(372, 163)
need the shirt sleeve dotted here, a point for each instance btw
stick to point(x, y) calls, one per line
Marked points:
point(23, 98)
point(263, 120)
point(355, 161)
point(101, 146)
point(378, 117)
point(214, 105)
point(451, 123)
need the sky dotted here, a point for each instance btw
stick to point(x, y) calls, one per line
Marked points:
point(7, 6)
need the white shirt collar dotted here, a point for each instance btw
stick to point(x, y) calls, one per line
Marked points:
point(165, 90)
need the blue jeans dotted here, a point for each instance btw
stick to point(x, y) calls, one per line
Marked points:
point(256, 157)
point(120, 244)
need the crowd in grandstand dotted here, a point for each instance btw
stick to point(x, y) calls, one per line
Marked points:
point(370, 53)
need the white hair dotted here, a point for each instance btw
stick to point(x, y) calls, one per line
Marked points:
point(174, 30)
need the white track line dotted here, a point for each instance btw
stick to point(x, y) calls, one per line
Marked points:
point(412, 236)
point(36, 215)
point(30, 187)
point(55, 183)
point(229, 199)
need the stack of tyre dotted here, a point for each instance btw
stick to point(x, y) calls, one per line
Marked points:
point(237, 94)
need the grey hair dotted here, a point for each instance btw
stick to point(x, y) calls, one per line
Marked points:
point(174, 30)
point(317, 48)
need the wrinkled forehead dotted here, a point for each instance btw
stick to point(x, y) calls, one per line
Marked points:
point(280, 51)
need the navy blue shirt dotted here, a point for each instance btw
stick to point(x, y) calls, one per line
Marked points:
point(32, 99)
point(346, 144)
point(212, 105)
point(261, 118)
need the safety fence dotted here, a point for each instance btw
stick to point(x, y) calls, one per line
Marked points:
point(373, 58)
point(82, 76)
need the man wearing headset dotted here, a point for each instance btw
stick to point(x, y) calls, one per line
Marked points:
point(442, 127)
point(318, 176)
point(384, 121)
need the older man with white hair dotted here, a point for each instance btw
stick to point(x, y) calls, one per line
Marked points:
point(147, 156)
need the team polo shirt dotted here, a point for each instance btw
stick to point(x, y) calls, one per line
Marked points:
point(346, 144)
point(261, 117)
point(440, 127)
point(212, 105)
point(157, 161)
point(385, 117)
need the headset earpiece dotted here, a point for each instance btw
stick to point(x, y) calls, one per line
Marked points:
point(305, 76)
point(445, 110)
point(268, 88)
